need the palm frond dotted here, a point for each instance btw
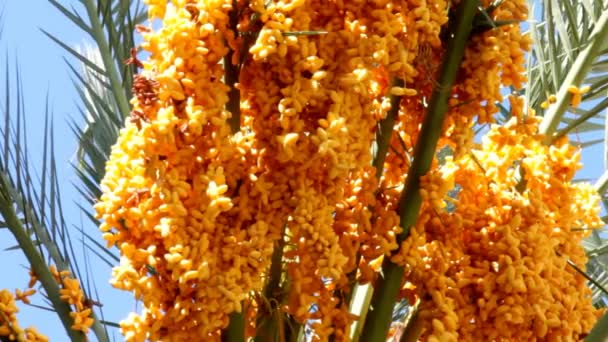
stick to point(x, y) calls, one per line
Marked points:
point(600, 274)
point(30, 202)
point(103, 82)
point(596, 248)
point(568, 38)
point(102, 79)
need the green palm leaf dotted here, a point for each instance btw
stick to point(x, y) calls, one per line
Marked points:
point(30, 202)
point(103, 81)
point(568, 50)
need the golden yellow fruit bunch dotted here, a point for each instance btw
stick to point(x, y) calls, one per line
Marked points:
point(497, 265)
point(321, 76)
point(71, 293)
point(9, 326)
point(252, 131)
point(171, 183)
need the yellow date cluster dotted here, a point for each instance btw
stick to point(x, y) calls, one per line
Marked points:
point(199, 190)
point(173, 179)
point(9, 326)
point(496, 266)
point(318, 82)
point(69, 291)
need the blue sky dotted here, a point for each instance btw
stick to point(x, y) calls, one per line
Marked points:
point(43, 69)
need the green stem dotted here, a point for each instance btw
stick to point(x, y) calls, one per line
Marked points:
point(267, 327)
point(294, 331)
point(378, 319)
point(362, 301)
point(602, 184)
point(384, 133)
point(413, 325)
point(352, 281)
point(599, 331)
point(231, 76)
point(276, 269)
point(388, 284)
point(579, 120)
point(51, 247)
point(575, 76)
point(41, 270)
point(108, 62)
point(605, 146)
point(236, 328)
point(586, 276)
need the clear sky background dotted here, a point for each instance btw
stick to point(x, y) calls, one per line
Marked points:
point(43, 69)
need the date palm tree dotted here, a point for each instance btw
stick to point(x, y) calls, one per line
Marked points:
point(570, 46)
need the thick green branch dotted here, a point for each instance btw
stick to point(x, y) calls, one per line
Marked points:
point(575, 76)
point(387, 287)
